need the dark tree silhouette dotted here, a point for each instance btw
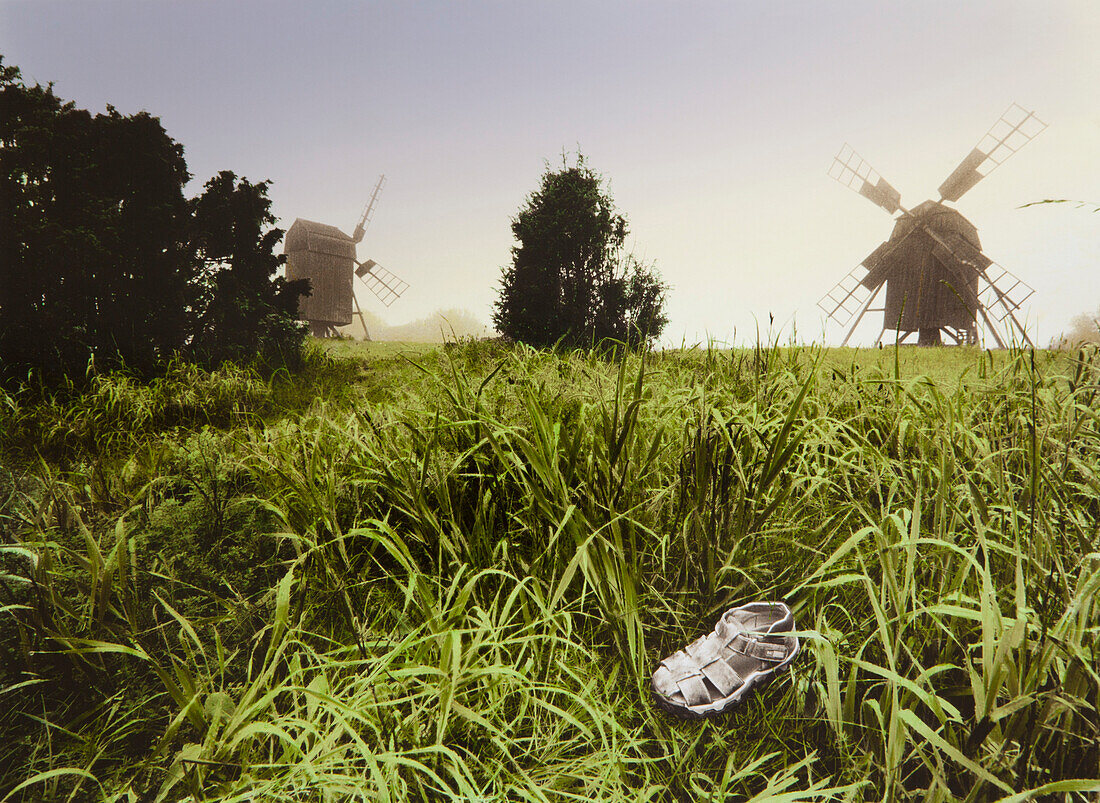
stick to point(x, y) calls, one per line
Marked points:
point(245, 311)
point(94, 257)
point(103, 260)
point(569, 281)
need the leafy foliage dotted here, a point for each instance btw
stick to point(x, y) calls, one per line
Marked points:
point(94, 247)
point(106, 263)
point(569, 281)
point(1083, 328)
point(245, 310)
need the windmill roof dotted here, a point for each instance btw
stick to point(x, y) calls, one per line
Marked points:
point(309, 235)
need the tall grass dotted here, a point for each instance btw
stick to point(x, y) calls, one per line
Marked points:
point(450, 576)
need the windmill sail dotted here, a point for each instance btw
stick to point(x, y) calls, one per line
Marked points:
point(368, 210)
point(1004, 292)
point(381, 282)
point(850, 169)
point(1015, 128)
point(851, 293)
point(847, 296)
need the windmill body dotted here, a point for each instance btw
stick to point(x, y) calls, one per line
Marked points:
point(937, 280)
point(326, 256)
point(930, 288)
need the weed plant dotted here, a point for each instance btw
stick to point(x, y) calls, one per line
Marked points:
point(448, 575)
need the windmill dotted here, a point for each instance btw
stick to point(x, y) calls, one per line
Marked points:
point(936, 277)
point(326, 256)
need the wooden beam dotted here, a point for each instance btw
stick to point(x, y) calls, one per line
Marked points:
point(991, 327)
point(862, 312)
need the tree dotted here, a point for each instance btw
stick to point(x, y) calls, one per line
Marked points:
point(244, 311)
point(104, 259)
point(569, 281)
point(1084, 328)
point(94, 258)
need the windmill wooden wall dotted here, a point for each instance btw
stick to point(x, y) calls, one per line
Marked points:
point(929, 286)
point(326, 256)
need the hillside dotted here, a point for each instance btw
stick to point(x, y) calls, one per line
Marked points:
point(440, 326)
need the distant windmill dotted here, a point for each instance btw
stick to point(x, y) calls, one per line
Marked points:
point(936, 277)
point(326, 256)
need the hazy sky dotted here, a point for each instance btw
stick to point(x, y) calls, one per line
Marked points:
point(715, 123)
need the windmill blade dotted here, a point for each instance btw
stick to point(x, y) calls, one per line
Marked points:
point(853, 172)
point(845, 299)
point(1004, 292)
point(956, 254)
point(1015, 128)
point(851, 292)
point(368, 210)
point(381, 282)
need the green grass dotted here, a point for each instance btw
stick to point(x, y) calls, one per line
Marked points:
point(447, 574)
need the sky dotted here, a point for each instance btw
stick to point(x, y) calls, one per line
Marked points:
point(714, 124)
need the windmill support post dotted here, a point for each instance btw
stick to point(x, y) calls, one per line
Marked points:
point(362, 320)
point(1004, 303)
point(862, 312)
point(991, 327)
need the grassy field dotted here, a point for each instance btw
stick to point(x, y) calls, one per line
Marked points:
point(448, 573)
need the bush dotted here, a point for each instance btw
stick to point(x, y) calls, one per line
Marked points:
point(569, 281)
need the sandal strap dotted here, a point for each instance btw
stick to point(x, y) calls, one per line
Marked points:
point(760, 649)
point(705, 651)
point(694, 689)
point(727, 629)
point(723, 676)
point(680, 665)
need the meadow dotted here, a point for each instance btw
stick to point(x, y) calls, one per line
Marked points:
point(447, 573)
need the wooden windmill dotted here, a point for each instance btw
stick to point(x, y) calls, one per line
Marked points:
point(326, 256)
point(937, 280)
